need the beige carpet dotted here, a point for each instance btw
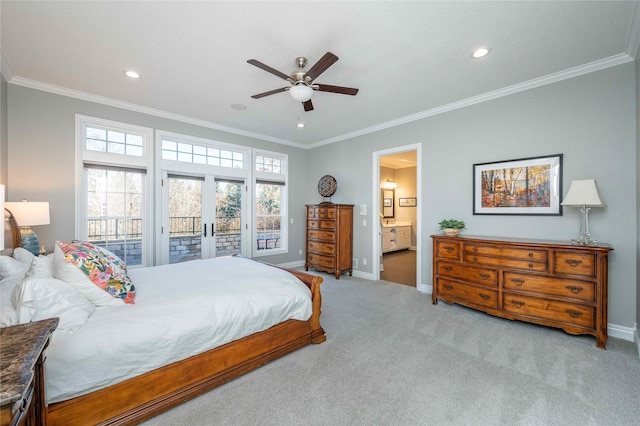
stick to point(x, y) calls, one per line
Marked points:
point(393, 358)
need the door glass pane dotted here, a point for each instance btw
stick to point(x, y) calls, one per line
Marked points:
point(228, 218)
point(185, 219)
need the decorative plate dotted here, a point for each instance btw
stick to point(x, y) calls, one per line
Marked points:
point(327, 186)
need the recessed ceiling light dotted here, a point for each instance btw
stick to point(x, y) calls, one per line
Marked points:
point(132, 74)
point(300, 123)
point(481, 52)
point(238, 107)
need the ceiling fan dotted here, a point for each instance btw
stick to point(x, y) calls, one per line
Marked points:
point(302, 86)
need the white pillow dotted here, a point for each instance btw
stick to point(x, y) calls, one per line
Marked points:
point(8, 314)
point(40, 298)
point(41, 267)
point(10, 266)
point(23, 256)
point(70, 274)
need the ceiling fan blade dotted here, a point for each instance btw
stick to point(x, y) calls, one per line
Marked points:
point(337, 89)
point(308, 106)
point(270, 92)
point(267, 68)
point(321, 66)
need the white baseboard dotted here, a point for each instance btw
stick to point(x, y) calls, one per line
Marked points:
point(365, 275)
point(621, 332)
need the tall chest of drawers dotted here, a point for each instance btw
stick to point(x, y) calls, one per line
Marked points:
point(544, 282)
point(330, 238)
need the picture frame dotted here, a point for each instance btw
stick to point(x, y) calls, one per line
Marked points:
point(524, 186)
point(407, 202)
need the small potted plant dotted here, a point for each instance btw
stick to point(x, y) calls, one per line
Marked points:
point(451, 227)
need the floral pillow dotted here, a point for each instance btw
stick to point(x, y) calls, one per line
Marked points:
point(104, 279)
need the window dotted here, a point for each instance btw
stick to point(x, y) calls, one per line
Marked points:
point(177, 150)
point(114, 211)
point(115, 160)
point(270, 203)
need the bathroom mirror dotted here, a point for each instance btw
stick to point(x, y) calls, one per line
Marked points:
point(388, 195)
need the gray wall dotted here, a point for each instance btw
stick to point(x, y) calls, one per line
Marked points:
point(41, 163)
point(590, 119)
point(3, 130)
point(638, 199)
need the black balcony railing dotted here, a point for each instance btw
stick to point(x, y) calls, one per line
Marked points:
point(121, 228)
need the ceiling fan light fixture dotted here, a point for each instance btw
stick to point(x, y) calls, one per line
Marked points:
point(301, 92)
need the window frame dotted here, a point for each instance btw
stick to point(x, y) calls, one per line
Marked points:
point(282, 178)
point(93, 159)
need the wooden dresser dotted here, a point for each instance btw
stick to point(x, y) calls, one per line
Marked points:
point(22, 394)
point(330, 238)
point(544, 282)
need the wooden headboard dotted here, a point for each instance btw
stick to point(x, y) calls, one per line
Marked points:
point(11, 233)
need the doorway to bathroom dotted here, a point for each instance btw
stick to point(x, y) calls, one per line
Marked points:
point(398, 189)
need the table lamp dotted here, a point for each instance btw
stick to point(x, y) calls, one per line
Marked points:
point(584, 195)
point(27, 214)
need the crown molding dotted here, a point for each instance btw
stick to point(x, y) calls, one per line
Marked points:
point(5, 66)
point(633, 41)
point(505, 91)
point(58, 90)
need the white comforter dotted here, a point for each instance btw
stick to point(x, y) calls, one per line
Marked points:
point(180, 310)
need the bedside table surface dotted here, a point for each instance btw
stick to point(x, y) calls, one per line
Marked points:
point(20, 347)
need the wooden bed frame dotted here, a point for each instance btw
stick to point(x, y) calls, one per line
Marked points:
point(142, 397)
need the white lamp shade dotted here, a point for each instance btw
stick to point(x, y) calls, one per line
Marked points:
point(28, 213)
point(301, 92)
point(583, 193)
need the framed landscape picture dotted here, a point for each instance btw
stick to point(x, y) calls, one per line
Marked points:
point(525, 186)
point(407, 202)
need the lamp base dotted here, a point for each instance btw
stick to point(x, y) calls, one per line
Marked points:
point(29, 240)
point(584, 240)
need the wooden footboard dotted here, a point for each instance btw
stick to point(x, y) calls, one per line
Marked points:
point(141, 397)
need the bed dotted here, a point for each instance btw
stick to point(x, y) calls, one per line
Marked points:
point(176, 367)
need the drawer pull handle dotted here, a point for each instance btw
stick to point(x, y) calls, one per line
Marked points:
point(530, 254)
point(573, 263)
point(531, 265)
point(517, 281)
point(484, 276)
point(475, 258)
point(573, 314)
point(447, 268)
point(475, 249)
point(518, 304)
point(448, 249)
point(448, 287)
point(574, 289)
point(484, 296)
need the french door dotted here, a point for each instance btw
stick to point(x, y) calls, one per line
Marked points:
point(202, 218)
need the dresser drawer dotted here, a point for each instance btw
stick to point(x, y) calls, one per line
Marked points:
point(573, 289)
point(482, 276)
point(567, 313)
point(321, 235)
point(321, 260)
point(449, 250)
point(321, 212)
point(454, 291)
point(321, 247)
point(321, 224)
point(573, 263)
point(528, 265)
point(512, 253)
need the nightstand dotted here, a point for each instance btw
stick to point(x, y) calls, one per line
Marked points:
point(22, 393)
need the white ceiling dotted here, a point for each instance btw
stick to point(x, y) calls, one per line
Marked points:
point(409, 59)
